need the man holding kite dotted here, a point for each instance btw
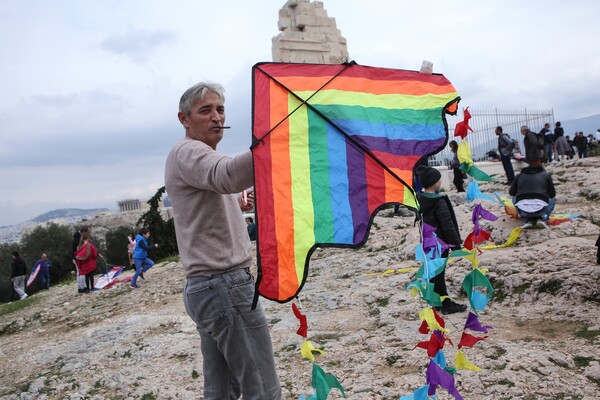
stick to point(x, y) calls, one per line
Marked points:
point(216, 252)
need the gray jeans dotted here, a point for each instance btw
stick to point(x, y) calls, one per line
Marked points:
point(235, 341)
point(19, 285)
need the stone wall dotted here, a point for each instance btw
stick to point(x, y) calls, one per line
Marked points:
point(308, 35)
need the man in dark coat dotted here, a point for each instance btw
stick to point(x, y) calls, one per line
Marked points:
point(534, 148)
point(505, 148)
point(533, 195)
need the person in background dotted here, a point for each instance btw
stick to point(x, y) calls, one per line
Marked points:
point(548, 142)
point(561, 145)
point(17, 276)
point(455, 166)
point(251, 228)
point(533, 196)
point(581, 143)
point(571, 152)
point(140, 256)
point(438, 212)
point(86, 256)
point(131, 248)
point(44, 264)
point(417, 186)
point(592, 142)
point(81, 288)
point(505, 148)
point(534, 150)
point(216, 254)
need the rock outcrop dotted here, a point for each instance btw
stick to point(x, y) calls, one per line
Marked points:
point(140, 344)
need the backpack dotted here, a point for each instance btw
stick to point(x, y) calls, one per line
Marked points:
point(511, 143)
point(541, 140)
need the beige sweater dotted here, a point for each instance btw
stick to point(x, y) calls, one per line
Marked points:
point(203, 187)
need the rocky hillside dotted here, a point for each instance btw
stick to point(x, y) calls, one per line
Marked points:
point(120, 343)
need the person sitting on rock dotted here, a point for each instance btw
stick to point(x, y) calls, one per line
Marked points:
point(533, 196)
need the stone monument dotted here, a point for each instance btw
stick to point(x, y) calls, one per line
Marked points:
point(308, 35)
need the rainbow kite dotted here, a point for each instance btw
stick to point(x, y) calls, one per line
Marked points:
point(332, 144)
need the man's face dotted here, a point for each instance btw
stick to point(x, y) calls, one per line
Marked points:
point(523, 131)
point(205, 120)
point(498, 132)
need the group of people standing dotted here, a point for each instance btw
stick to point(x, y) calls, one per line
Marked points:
point(557, 146)
point(532, 189)
point(19, 273)
point(85, 255)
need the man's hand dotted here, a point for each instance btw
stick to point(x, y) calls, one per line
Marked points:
point(247, 200)
point(250, 200)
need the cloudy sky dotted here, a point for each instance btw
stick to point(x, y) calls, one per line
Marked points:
point(89, 90)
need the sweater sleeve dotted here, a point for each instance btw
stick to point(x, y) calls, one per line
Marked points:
point(203, 168)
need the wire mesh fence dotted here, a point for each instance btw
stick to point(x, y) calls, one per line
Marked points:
point(483, 139)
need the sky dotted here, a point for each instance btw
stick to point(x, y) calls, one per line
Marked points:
point(90, 90)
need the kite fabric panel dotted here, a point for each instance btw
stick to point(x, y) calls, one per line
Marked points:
point(332, 144)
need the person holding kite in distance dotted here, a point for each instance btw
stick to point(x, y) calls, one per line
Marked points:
point(437, 211)
point(44, 265)
point(212, 237)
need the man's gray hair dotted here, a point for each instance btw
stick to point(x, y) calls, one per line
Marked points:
point(525, 127)
point(198, 92)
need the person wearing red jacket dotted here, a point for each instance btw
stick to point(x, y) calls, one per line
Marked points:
point(85, 257)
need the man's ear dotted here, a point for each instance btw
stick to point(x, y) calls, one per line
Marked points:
point(182, 118)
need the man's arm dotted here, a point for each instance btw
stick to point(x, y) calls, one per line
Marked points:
point(203, 168)
point(446, 224)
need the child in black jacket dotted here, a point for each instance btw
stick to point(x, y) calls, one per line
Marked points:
point(437, 211)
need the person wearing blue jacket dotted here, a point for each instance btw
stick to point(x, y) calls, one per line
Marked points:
point(44, 265)
point(140, 256)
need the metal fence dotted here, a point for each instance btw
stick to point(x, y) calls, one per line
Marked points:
point(484, 123)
